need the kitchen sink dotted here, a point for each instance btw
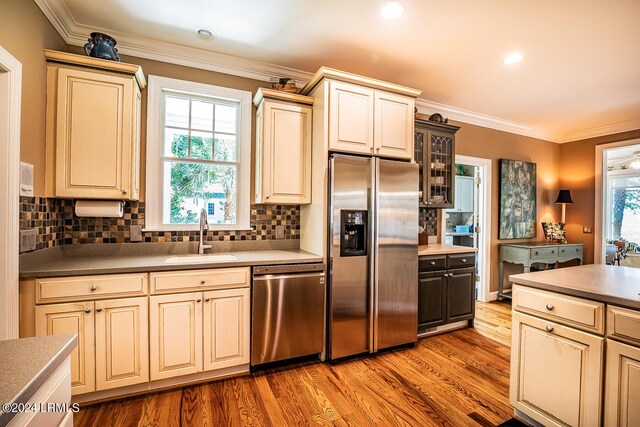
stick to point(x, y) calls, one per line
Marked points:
point(203, 258)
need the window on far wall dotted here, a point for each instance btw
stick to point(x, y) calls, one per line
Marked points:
point(198, 155)
point(623, 212)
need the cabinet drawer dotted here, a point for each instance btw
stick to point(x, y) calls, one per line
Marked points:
point(577, 312)
point(462, 260)
point(63, 289)
point(544, 253)
point(623, 324)
point(199, 280)
point(432, 263)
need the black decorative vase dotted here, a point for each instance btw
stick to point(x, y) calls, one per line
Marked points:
point(102, 46)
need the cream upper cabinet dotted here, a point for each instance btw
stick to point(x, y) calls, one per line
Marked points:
point(176, 334)
point(283, 147)
point(122, 342)
point(74, 318)
point(556, 372)
point(93, 127)
point(393, 125)
point(622, 391)
point(351, 109)
point(226, 328)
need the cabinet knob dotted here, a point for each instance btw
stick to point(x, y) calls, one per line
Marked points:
point(433, 263)
point(464, 260)
point(562, 251)
point(202, 281)
point(378, 149)
point(549, 328)
point(124, 191)
point(207, 299)
point(537, 252)
point(98, 309)
point(549, 307)
point(198, 299)
point(267, 197)
point(93, 288)
point(87, 310)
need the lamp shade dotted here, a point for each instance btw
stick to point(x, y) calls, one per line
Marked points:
point(564, 196)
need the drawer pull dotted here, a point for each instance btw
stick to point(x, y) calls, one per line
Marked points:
point(202, 281)
point(207, 299)
point(87, 310)
point(549, 328)
point(433, 263)
point(537, 253)
point(92, 288)
point(464, 260)
point(549, 307)
point(198, 300)
point(98, 309)
point(562, 251)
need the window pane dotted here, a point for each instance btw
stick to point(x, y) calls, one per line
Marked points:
point(202, 115)
point(194, 186)
point(176, 111)
point(225, 148)
point(226, 116)
point(176, 143)
point(201, 145)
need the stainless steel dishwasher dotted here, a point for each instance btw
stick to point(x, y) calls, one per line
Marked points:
point(287, 312)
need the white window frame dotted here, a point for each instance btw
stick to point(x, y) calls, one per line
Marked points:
point(155, 140)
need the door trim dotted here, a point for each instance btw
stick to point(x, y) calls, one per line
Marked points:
point(11, 84)
point(484, 244)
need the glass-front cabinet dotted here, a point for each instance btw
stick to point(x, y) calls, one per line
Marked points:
point(434, 152)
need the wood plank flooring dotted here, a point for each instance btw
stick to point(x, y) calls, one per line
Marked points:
point(455, 379)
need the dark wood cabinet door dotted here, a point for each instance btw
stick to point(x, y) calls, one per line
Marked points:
point(432, 308)
point(461, 293)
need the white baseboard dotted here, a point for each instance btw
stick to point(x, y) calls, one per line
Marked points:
point(493, 296)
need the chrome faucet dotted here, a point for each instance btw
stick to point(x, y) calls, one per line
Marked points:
point(204, 226)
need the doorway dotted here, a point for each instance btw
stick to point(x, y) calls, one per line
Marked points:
point(469, 222)
point(617, 234)
point(10, 96)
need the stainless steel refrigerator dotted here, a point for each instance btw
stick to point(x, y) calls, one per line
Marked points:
point(373, 255)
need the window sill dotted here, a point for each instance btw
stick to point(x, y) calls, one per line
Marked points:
point(196, 228)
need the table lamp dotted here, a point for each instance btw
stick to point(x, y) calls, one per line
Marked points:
point(564, 197)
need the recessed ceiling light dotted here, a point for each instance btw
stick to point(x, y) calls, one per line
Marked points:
point(204, 34)
point(512, 58)
point(392, 10)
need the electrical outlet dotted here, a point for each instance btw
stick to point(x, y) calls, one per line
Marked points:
point(28, 240)
point(279, 231)
point(135, 233)
point(587, 229)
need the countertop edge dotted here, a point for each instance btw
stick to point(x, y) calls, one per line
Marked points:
point(580, 293)
point(40, 378)
point(166, 267)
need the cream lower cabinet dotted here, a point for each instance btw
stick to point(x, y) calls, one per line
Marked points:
point(622, 391)
point(198, 331)
point(556, 372)
point(112, 346)
point(283, 147)
point(73, 318)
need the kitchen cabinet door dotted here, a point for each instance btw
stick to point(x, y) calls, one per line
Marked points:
point(461, 293)
point(622, 391)
point(432, 308)
point(175, 331)
point(285, 152)
point(95, 134)
point(350, 118)
point(393, 125)
point(75, 318)
point(122, 342)
point(226, 328)
point(556, 372)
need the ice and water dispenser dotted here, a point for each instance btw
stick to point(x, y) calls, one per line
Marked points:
point(353, 232)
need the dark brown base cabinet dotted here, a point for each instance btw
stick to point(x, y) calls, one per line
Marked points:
point(446, 290)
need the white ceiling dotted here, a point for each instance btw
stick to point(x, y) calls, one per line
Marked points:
point(580, 76)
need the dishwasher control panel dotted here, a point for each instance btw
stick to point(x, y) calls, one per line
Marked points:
point(288, 269)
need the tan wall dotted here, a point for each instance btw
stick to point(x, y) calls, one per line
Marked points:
point(25, 32)
point(577, 173)
point(492, 144)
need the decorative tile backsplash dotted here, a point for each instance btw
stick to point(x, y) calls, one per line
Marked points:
point(57, 224)
point(429, 217)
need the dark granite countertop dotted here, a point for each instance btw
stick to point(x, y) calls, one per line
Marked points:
point(598, 282)
point(80, 260)
point(26, 364)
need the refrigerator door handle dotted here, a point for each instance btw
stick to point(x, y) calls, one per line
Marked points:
point(375, 181)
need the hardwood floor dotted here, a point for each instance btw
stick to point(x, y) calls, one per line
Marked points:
point(456, 379)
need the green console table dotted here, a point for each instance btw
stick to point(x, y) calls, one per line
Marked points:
point(527, 254)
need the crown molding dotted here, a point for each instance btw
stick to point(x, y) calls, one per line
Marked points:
point(75, 34)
